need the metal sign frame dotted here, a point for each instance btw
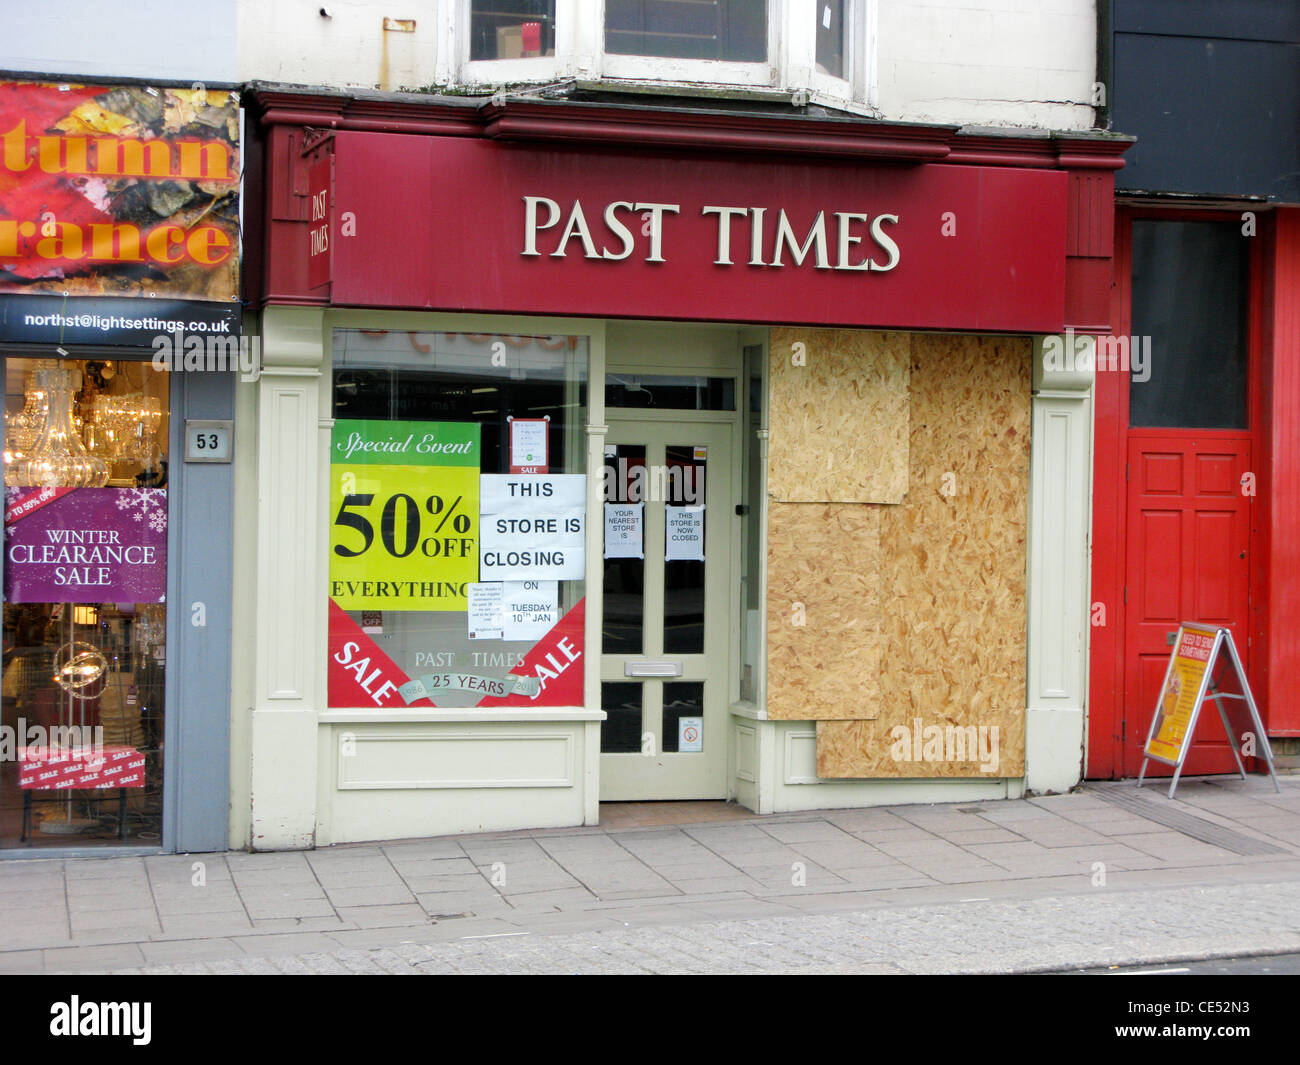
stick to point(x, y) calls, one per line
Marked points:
point(1222, 638)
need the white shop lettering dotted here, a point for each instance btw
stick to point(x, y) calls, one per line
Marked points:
point(829, 241)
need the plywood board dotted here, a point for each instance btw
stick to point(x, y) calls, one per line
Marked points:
point(838, 416)
point(953, 565)
point(823, 602)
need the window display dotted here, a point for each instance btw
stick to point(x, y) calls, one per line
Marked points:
point(457, 520)
point(85, 583)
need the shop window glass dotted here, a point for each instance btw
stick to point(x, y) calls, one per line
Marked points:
point(681, 699)
point(684, 487)
point(457, 520)
point(669, 392)
point(511, 29)
point(85, 579)
point(832, 36)
point(623, 621)
point(1189, 316)
point(733, 30)
point(621, 731)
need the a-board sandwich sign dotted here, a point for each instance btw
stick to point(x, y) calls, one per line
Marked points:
point(1190, 681)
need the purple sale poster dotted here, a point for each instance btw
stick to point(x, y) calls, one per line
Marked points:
point(85, 545)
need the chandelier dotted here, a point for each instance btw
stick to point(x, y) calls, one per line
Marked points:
point(124, 428)
point(57, 458)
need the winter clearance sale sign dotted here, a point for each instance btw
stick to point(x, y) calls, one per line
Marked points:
point(85, 545)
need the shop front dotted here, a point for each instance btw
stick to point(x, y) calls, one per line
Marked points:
point(119, 246)
point(610, 452)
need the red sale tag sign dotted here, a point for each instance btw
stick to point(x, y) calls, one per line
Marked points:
point(556, 663)
point(360, 674)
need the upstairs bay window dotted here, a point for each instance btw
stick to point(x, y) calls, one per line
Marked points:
point(823, 47)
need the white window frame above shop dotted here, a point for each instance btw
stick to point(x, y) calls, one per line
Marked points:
point(791, 65)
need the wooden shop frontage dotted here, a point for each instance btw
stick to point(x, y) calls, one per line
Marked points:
point(606, 451)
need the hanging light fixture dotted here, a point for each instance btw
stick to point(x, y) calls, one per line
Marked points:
point(24, 426)
point(58, 458)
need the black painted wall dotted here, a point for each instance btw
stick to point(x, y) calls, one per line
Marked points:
point(1211, 89)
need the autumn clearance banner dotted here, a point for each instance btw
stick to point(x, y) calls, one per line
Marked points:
point(118, 193)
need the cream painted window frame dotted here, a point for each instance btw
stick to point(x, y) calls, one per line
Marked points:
point(791, 65)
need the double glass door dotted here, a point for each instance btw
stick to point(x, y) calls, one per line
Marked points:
point(666, 637)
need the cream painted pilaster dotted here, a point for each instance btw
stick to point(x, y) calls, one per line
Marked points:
point(595, 610)
point(289, 640)
point(1060, 494)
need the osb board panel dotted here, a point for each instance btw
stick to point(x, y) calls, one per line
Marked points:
point(953, 566)
point(823, 610)
point(838, 416)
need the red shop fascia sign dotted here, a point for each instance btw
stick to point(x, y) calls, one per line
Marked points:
point(551, 209)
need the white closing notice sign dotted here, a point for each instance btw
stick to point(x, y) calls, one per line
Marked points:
point(684, 534)
point(531, 527)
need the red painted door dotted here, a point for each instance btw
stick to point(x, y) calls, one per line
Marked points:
point(1187, 560)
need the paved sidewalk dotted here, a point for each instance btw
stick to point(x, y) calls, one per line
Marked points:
point(1106, 875)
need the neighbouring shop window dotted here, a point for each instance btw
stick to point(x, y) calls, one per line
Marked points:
point(457, 520)
point(734, 30)
point(511, 29)
point(1189, 318)
point(85, 583)
point(751, 529)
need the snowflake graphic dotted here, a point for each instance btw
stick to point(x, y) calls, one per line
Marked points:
point(144, 505)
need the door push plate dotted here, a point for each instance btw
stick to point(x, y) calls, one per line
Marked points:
point(652, 669)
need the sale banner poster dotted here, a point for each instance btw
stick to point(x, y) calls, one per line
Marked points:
point(1178, 697)
point(85, 545)
point(404, 500)
point(361, 674)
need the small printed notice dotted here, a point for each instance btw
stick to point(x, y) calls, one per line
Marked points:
point(528, 445)
point(625, 530)
point(530, 609)
point(684, 534)
point(486, 610)
point(690, 734)
point(513, 610)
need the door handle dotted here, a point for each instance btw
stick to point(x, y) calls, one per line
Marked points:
point(652, 669)
point(1171, 638)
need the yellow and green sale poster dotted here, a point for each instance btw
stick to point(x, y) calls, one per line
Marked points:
point(404, 505)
